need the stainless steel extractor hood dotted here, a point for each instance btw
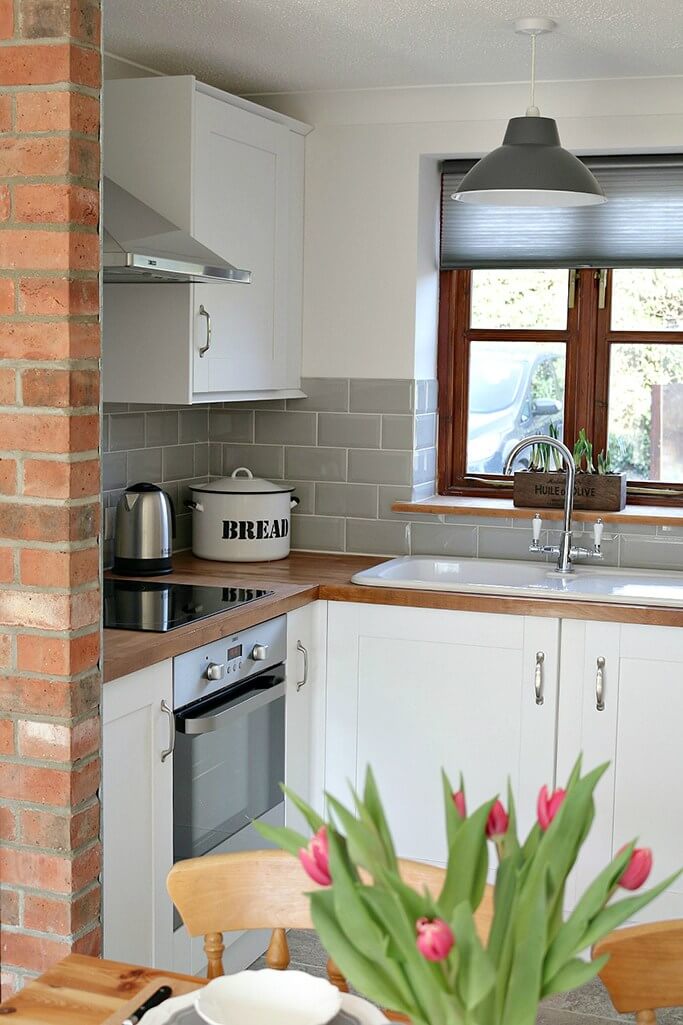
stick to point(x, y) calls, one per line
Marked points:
point(142, 247)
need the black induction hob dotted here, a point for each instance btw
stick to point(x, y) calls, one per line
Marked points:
point(159, 607)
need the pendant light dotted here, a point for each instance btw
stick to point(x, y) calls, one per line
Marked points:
point(531, 168)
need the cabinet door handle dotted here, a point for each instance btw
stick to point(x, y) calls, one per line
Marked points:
point(538, 677)
point(171, 731)
point(203, 312)
point(304, 680)
point(600, 685)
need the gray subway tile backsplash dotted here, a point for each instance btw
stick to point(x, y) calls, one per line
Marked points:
point(377, 537)
point(346, 500)
point(114, 470)
point(349, 430)
point(319, 533)
point(162, 427)
point(233, 425)
point(323, 394)
point(126, 431)
point(439, 539)
point(351, 448)
point(145, 464)
point(262, 460)
point(367, 466)
point(380, 396)
point(286, 428)
point(304, 490)
point(315, 463)
point(178, 462)
point(194, 425)
point(398, 431)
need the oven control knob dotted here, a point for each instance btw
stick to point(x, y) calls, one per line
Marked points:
point(259, 653)
point(215, 671)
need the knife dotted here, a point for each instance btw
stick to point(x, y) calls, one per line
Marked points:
point(158, 997)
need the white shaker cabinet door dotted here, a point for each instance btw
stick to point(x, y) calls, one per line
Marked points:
point(305, 708)
point(241, 197)
point(411, 690)
point(137, 816)
point(635, 673)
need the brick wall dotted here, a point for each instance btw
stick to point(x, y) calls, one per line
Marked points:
point(49, 483)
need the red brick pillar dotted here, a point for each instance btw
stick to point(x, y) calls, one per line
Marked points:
point(50, 61)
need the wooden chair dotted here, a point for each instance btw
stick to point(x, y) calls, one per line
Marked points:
point(266, 890)
point(645, 969)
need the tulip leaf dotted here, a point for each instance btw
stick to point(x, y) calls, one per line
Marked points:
point(467, 863)
point(373, 803)
point(314, 820)
point(526, 973)
point(575, 973)
point(453, 819)
point(569, 939)
point(476, 975)
point(616, 914)
point(504, 894)
point(281, 836)
point(365, 974)
point(365, 847)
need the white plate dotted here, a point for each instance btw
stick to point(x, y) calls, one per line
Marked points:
point(267, 997)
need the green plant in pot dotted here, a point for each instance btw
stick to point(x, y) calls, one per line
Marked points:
point(421, 954)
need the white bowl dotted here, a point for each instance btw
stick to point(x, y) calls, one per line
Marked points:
point(268, 997)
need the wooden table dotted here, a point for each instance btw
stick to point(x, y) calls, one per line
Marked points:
point(81, 990)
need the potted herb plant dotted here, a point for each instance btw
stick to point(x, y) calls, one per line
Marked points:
point(420, 953)
point(542, 485)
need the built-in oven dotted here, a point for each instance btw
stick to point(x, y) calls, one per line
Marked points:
point(229, 757)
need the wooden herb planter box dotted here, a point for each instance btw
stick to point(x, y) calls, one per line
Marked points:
point(602, 492)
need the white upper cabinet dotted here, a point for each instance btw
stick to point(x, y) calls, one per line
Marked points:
point(410, 691)
point(231, 174)
point(622, 701)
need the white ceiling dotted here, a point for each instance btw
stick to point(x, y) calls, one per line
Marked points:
point(261, 46)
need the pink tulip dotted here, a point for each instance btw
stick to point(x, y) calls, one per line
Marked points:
point(459, 802)
point(497, 822)
point(434, 939)
point(637, 870)
point(316, 858)
point(548, 805)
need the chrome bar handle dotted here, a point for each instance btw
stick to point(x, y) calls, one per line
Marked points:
point(171, 731)
point(600, 685)
point(203, 312)
point(302, 683)
point(538, 677)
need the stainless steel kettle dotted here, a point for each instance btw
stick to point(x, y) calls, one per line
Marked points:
point(145, 528)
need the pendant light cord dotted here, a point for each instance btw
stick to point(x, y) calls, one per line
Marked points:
point(532, 110)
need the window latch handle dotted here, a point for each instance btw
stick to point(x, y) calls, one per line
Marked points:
point(601, 275)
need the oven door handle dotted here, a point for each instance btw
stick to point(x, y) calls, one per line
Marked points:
point(221, 717)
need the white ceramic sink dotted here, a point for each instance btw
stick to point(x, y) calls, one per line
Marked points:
point(500, 576)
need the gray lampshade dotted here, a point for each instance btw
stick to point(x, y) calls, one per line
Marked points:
point(530, 169)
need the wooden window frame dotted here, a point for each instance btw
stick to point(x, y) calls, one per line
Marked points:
point(588, 338)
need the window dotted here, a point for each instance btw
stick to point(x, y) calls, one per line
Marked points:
point(523, 349)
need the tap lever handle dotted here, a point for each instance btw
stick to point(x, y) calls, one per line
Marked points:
point(598, 528)
point(536, 527)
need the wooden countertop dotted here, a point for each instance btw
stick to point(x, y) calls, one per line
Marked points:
point(84, 990)
point(304, 577)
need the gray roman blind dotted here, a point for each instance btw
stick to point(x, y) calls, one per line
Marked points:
point(641, 225)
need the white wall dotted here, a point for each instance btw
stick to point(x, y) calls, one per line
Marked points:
point(370, 279)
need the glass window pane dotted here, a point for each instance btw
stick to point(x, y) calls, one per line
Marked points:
point(520, 299)
point(647, 299)
point(516, 389)
point(646, 411)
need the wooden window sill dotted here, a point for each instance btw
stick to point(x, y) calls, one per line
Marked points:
point(455, 505)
